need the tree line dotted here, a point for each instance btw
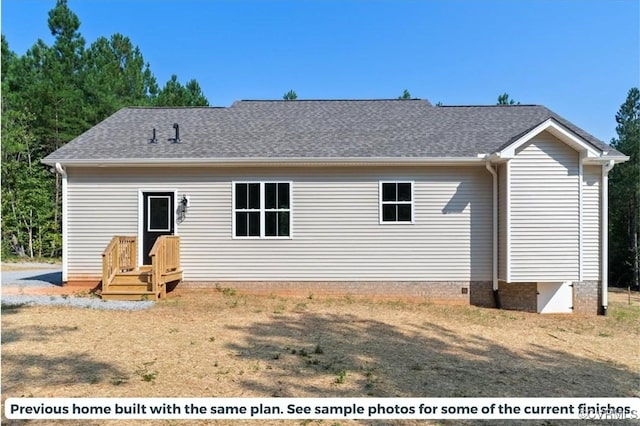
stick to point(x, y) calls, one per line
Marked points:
point(624, 197)
point(52, 94)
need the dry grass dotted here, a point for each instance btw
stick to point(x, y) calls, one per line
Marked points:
point(208, 343)
point(624, 296)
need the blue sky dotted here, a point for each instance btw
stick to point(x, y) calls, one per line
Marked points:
point(578, 58)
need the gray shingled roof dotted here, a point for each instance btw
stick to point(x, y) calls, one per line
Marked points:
point(329, 129)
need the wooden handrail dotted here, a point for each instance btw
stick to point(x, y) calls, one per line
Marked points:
point(165, 258)
point(120, 255)
point(109, 263)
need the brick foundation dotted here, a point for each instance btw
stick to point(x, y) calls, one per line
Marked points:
point(82, 280)
point(587, 297)
point(519, 297)
point(481, 294)
point(462, 292)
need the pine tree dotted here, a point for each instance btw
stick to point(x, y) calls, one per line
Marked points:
point(505, 100)
point(115, 76)
point(624, 196)
point(291, 95)
point(175, 94)
point(405, 95)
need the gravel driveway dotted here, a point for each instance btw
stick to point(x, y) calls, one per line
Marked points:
point(41, 284)
point(37, 275)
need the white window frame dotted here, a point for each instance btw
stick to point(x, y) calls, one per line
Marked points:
point(382, 203)
point(263, 210)
point(247, 210)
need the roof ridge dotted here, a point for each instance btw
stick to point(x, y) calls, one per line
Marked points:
point(331, 100)
point(489, 106)
point(173, 107)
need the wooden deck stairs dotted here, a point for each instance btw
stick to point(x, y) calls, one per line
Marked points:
point(123, 280)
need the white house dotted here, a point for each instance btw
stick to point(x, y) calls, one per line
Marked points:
point(486, 205)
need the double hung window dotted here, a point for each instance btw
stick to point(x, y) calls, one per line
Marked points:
point(262, 209)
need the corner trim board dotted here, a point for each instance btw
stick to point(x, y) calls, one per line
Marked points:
point(65, 215)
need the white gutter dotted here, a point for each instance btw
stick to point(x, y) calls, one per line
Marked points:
point(604, 235)
point(495, 229)
point(293, 161)
point(65, 258)
point(602, 161)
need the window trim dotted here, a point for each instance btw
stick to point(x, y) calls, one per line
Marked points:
point(381, 203)
point(263, 210)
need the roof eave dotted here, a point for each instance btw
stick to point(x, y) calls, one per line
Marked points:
point(605, 159)
point(266, 162)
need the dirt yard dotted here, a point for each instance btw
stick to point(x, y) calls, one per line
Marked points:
point(218, 343)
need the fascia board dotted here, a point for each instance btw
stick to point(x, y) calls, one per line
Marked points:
point(559, 131)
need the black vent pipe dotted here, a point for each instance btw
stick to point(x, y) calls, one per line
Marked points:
point(177, 138)
point(153, 138)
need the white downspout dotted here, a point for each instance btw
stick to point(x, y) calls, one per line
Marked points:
point(604, 235)
point(494, 271)
point(65, 259)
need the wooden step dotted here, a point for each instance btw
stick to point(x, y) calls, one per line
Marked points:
point(128, 295)
point(132, 277)
point(139, 286)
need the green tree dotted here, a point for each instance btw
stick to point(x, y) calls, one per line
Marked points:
point(505, 100)
point(52, 94)
point(29, 227)
point(175, 94)
point(405, 95)
point(8, 59)
point(116, 76)
point(291, 95)
point(624, 196)
point(63, 77)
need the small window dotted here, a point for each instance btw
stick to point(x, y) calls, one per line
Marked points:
point(159, 213)
point(262, 209)
point(396, 202)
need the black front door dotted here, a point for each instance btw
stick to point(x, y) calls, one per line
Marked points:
point(158, 219)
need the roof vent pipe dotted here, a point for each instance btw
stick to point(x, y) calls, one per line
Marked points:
point(153, 138)
point(177, 138)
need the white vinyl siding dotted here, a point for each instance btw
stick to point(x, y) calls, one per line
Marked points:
point(591, 222)
point(95, 216)
point(544, 212)
point(337, 237)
